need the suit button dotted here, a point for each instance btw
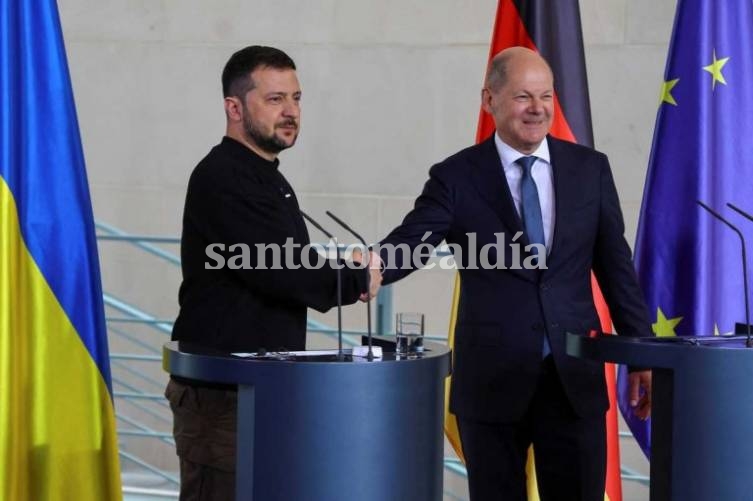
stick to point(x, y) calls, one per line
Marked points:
point(555, 325)
point(537, 326)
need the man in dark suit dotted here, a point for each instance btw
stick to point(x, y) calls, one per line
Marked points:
point(552, 210)
point(234, 302)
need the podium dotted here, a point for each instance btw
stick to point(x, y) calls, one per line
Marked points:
point(313, 427)
point(702, 411)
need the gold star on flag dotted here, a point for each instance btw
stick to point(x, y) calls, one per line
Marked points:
point(666, 92)
point(715, 68)
point(665, 327)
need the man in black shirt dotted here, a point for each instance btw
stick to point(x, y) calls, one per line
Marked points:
point(244, 250)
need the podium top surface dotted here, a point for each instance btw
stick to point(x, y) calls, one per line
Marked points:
point(659, 352)
point(197, 362)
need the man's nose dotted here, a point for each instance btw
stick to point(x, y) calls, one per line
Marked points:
point(537, 106)
point(291, 109)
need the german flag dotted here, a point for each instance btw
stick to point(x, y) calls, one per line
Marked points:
point(552, 29)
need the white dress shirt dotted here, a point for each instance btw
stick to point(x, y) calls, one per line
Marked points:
point(542, 175)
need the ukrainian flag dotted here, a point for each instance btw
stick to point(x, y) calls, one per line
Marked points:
point(57, 425)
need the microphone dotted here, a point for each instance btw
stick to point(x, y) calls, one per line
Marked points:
point(711, 211)
point(339, 283)
point(739, 211)
point(370, 355)
point(747, 216)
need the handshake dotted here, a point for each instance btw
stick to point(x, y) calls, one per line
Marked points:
point(375, 273)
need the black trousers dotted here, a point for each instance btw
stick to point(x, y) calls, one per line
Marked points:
point(204, 427)
point(570, 451)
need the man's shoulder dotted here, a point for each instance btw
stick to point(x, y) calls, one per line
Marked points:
point(570, 149)
point(216, 167)
point(217, 156)
point(473, 152)
point(465, 158)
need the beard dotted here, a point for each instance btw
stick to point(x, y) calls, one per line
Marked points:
point(271, 143)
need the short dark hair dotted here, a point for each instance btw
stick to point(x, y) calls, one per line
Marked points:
point(236, 77)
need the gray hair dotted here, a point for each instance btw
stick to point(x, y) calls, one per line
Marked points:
point(498, 72)
point(496, 75)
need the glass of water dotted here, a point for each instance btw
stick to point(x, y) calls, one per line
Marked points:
point(409, 332)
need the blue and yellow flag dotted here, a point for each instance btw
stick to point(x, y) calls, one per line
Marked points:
point(57, 425)
point(689, 264)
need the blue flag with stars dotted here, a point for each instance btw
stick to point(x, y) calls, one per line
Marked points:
point(689, 264)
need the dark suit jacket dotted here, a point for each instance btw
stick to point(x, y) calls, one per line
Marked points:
point(503, 314)
point(236, 197)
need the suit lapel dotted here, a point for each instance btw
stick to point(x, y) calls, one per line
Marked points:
point(489, 180)
point(566, 190)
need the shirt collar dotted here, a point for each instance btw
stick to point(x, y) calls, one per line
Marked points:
point(509, 155)
point(246, 154)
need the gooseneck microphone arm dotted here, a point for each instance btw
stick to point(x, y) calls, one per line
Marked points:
point(370, 355)
point(749, 217)
point(339, 283)
point(718, 216)
point(739, 211)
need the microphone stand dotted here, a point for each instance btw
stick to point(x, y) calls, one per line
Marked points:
point(711, 211)
point(370, 355)
point(750, 218)
point(339, 284)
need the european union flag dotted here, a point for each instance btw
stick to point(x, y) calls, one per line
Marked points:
point(688, 263)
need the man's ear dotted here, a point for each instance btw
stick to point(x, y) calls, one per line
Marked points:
point(233, 109)
point(486, 100)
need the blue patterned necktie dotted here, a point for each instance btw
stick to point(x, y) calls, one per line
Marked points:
point(529, 203)
point(531, 215)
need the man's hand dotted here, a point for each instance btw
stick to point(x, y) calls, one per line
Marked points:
point(375, 273)
point(641, 404)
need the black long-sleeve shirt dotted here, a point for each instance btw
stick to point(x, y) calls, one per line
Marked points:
point(237, 197)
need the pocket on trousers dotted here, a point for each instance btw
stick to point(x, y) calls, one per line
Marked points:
point(174, 393)
point(186, 421)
